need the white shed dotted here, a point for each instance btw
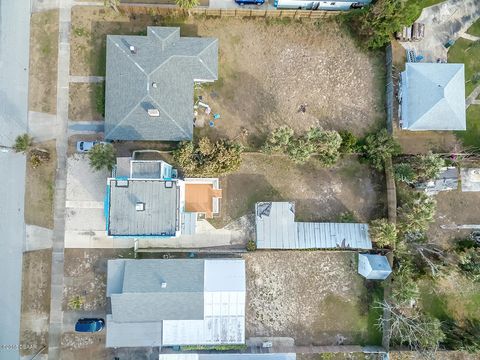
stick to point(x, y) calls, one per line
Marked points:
point(373, 267)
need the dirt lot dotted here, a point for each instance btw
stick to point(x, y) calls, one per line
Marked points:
point(267, 70)
point(35, 300)
point(312, 296)
point(320, 194)
point(39, 190)
point(43, 62)
point(83, 100)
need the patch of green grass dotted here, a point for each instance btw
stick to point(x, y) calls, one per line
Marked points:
point(432, 303)
point(80, 31)
point(471, 137)
point(423, 4)
point(474, 29)
point(374, 313)
point(464, 51)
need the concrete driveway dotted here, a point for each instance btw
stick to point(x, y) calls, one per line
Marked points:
point(84, 218)
point(443, 22)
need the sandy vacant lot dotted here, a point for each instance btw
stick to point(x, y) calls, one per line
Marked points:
point(320, 194)
point(267, 69)
point(312, 296)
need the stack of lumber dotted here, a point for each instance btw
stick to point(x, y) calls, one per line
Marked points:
point(416, 32)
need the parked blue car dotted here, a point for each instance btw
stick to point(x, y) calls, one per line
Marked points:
point(250, 2)
point(89, 325)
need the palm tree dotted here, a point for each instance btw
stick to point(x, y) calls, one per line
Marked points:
point(102, 156)
point(187, 4)
point(23, 143)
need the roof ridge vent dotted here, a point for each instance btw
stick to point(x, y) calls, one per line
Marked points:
point(153, 112)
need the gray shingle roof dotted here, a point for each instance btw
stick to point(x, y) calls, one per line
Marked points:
point(433, 97)
point(143, 298)
point(160, 74)
point(161, 208)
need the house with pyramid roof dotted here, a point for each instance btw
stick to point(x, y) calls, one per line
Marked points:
point(149, 83)
point(432, 97)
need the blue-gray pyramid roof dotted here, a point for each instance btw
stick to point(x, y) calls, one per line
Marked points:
point(158, 74)
point(433, 97)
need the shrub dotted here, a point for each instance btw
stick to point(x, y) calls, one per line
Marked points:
point(76, 302)
point(383, 233)
point(404, 287)
point(100, 99)
point(378, 147)
point(347, 217)
point(102, 156)
point(208, 158)
point(416, 214)
point(464, 337)
point(251, 245)
point(23, 143)
point(428, 166)
point(300, 150)
point(278, 140)
point(349, 142)
point(327, 145)
point(404, 172)
point(186, 4)
point(470, 264)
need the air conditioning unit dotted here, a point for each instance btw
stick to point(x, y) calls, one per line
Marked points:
point(153, 112)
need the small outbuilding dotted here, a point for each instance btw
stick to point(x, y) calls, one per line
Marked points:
point(373, 267)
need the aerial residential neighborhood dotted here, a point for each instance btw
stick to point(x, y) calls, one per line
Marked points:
point(240, 179)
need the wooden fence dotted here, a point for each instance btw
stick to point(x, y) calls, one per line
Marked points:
point(254, 13)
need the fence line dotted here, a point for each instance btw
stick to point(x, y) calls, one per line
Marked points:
point(160, 9)
point(389, 88)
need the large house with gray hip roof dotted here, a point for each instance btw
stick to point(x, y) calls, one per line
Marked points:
point(175, 302)
point(150, 80)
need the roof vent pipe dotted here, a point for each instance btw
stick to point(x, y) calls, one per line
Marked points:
point(133, 50)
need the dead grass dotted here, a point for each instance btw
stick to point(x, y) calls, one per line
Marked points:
point(83, 101)
point(320, 194)
point(421, 142)
point(43, 62)
point(312, 296)
point(39, 190)
point(35, 300)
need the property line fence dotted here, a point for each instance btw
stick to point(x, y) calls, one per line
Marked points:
point(156, 9)
point(389, 88)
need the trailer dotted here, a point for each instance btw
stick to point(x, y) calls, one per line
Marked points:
point(320, 5)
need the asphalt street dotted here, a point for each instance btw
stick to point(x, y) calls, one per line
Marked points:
point(14, 51)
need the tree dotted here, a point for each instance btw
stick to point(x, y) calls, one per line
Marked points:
point(349, 142)
point(465, 337)
point(102, 156)
point(428, 166)
point(327, 145)
point(418, 331)
point(378, 147)
point(300, 150)
point(404, 172)
point(208, 158)
point(404, 288)
point(23, 143)
point(375, 24)
point(470, 264)
point(278, 140)
point(416, 214)
point(187, 4)
point(383, 233)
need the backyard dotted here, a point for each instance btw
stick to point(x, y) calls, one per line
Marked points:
point(308, 66)
point(316, 297)
point(468, 52)
point(349, 191)
point(42, 94)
